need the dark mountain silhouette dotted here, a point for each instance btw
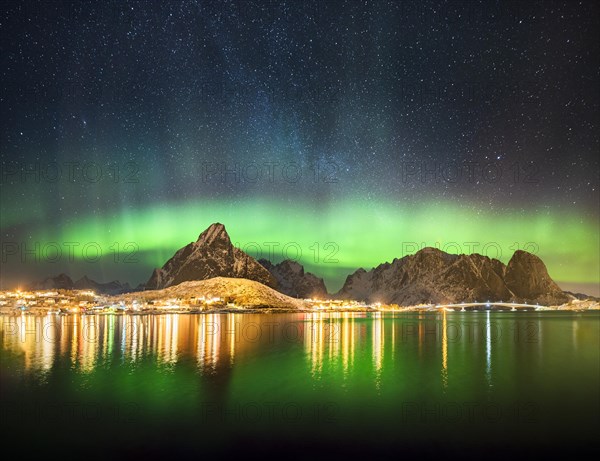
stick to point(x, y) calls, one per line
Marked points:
point(64, 282)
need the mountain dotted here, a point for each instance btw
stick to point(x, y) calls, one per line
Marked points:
point(293, 281)
point(433, 276)
point(212, 255)
point(59, 282)
point(242, 292)
point(110, 288)
point(527, 277)
point(64, 282)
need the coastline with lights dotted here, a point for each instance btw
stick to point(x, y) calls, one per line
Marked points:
point(73, 302)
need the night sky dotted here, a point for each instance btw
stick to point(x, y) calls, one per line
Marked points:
point(347, 131)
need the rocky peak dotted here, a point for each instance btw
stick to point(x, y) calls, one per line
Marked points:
point(527, 277)
point(58, 282)
point(214, 232)
point(212, 255)
point(292, 267)
point(430, 250)
point(63, 279)
point(293, 281)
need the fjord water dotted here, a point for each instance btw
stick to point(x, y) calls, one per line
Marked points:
point(306, 385)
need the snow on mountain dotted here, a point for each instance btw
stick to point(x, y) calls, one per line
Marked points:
point(241, 292)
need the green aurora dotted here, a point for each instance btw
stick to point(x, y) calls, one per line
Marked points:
point(346, 235)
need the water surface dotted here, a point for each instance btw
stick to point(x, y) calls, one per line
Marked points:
point(309, 385)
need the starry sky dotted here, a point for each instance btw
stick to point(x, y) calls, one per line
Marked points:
point(341, 134)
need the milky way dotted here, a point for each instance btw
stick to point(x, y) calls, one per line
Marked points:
point(345, 133)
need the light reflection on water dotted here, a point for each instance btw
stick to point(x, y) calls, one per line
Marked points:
point(444, 350)
point(331, 342)
point(210, 339)
point(401, 377)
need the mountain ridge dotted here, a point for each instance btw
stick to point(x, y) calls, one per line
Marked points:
point(433, 276)
point(428, 276)
point(63, 282)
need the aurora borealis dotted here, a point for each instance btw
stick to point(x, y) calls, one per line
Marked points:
point(358, 127)
point(358, 233)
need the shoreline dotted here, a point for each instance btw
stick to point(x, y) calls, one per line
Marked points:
point(12, 312)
